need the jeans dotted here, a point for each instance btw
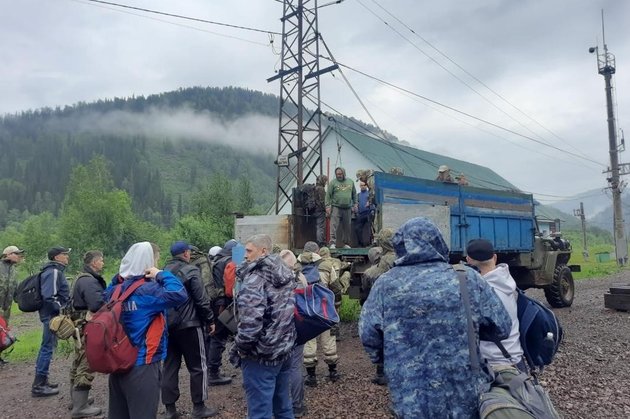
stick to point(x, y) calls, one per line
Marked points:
point(267, 389)
point(49, 342)
point(297, 377)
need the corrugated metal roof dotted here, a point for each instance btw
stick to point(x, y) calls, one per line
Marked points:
point(418, 163)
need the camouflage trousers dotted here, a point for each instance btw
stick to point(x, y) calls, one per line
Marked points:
point(7, 289)
point(80, 375)
point(329, 347)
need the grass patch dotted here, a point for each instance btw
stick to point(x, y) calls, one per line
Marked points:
point(591, 268)
point(350, 309)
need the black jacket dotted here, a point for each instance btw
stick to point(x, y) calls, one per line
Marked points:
point(196, 311)
point(88, 290)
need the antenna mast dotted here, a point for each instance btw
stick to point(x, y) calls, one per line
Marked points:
point(606, 67)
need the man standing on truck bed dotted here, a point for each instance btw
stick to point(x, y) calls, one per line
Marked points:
point(341, 200)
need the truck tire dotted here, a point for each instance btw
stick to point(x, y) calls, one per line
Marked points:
point(561, 291)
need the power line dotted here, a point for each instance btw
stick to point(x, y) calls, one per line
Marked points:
point(402, 89)
point(211, 22)
point(468, 74)
point(87, 2)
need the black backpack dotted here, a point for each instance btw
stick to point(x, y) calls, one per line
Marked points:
point(28, 294)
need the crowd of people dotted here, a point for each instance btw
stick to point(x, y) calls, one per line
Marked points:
point(412, 324)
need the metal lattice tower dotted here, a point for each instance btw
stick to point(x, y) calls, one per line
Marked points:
point(299, 140)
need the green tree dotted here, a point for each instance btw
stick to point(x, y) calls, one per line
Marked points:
point(245, 199)
point(95, 215)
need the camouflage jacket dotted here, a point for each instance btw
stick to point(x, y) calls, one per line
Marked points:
point(8, 278)
point(265, 304)
point(415, 323)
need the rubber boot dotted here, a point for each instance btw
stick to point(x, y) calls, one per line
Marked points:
point(40, 389)
point(333, 374)
point(379, 377)
point(81, 408)
point(311, 377)
point(71, 404)
point(218, 379)
point(171, 412)
point(200, 410)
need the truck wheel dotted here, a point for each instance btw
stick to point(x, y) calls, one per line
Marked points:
point(561, 291)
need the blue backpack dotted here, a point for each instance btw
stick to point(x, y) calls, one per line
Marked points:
point(314, 312)
point(311, 272)
point(540, 331)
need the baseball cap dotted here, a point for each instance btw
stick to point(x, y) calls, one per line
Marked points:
point(57, 250)
point(180, 247)
point(11, 249)
point(443, 168)
point(480, 249)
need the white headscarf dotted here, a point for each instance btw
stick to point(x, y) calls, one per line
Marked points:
point(137, 260)
point(214, 250)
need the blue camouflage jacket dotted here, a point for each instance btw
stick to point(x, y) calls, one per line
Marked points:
point(265, 305)
point(415, 323)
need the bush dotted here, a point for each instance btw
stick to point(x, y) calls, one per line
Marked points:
point(350, 309)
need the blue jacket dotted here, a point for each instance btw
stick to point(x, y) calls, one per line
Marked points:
point(55, 290)
point(415, 323)
point(363, 200)
point(144, 313)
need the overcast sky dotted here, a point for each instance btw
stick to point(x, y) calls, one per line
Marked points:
point(533, 53)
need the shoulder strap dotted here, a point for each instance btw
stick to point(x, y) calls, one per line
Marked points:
point(472, 347)
point(116, 297)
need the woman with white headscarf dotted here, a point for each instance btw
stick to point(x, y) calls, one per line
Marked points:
point(136, 393)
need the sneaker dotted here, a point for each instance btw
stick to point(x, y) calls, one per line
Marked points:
point(218, 379)
point(347, 246)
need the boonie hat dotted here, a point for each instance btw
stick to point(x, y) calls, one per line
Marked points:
point(480, 249)
point(57, 250)
point(180, 247)
point(11, 249)
point(443, 168)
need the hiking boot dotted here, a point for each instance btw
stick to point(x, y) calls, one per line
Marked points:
point(200, 410)
point(51, 385)
point(40, 389)
point(218, 379)
point(171, 412)
point(81, 407)
point(333, 374)
point(379, 378)
point(299, 412)
point(311, 377)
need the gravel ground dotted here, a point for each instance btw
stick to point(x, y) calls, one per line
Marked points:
point(590, 376)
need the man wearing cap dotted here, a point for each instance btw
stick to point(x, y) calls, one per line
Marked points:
point(480, 253)
point(444, 174)
point(186, 336)
point(11, 257)
point(55, 296)
point(218, 340)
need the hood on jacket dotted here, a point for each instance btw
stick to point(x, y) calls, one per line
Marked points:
point(374, 254)
point(227, 248)
point(419, 241)
point(137, 260)
point(324, 252)
point(343, 170)
point(308, 257)
point(384, 240)
point(271, 267)
point(55, 265)
point(499, 279)
point(321, 180)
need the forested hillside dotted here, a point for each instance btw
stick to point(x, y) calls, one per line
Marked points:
point(160, 148)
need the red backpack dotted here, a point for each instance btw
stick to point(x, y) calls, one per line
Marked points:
point(6, 337)
point(107, 346)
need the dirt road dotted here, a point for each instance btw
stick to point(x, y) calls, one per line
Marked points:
point(590, 377)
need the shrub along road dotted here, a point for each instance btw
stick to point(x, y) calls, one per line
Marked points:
point(590, 376)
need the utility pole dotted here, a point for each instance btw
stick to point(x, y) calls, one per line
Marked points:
point(580, 213)
point(606, 67)
point(299, 139)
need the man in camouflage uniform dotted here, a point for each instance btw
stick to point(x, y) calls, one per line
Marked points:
point(385, 262)
point(11, 257)
point(310, 263)
point(327, 264)
point(414, 322)
point(87, 298)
